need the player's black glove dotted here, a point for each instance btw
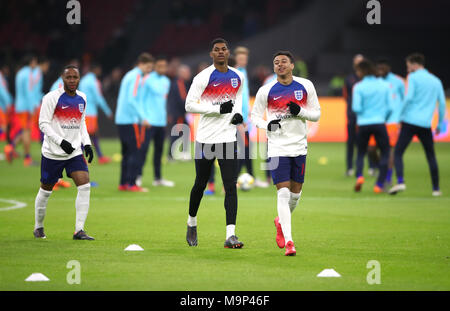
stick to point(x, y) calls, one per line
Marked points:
point(274, 125)
point(237, 119)
point(66, 146)
point(89, 153)
point(294, 108)
point(226, 107)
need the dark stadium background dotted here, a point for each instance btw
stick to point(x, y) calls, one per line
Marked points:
point(325, 34)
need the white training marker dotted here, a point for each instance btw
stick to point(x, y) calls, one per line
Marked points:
point(134, 247)
point(329, 273)
point(37, 277)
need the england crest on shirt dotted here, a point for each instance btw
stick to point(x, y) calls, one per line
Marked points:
point(298, 94)
point(234, 82)
point(81, 107)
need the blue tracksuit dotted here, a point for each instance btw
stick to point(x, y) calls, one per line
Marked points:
point(24, 94)
point(38, 85)
point(153, 99)
point(5, 97)
point(397, 87)
point(91, 86)
point(128, 109)
point(245, 95)
point(371, 101)
point(423, 91)
point(57, 84)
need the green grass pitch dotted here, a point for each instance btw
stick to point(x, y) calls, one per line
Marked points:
point(333, 227)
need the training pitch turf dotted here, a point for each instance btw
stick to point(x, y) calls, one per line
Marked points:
point(333, 227)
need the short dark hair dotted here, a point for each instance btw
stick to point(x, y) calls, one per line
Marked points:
point(285, 53)
point(366, 67)
point(69, 67)
point(160, 57)
point(416, 58)
point(218, 40)
point(383, 61)
point(145, 58)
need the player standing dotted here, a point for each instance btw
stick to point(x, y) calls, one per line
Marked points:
point(422, 92)
point(25, 103)
point(372, 103)
point(128, 117)
point(216, 94)
point(62, 120)
point(397, 86)
point(153, 99)
point(290, 101)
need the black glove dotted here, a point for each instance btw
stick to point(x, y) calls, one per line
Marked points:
point(89, 153)
point(294, 108)
point(226, 107)
point(274, 125)
point(237, 119)
point(66, 146)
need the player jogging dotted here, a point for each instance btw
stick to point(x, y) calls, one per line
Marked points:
point(422, 92)
point(289, 101)
point(216, 94)
point(62, 120)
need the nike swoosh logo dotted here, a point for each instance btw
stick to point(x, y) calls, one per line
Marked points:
point(217, 84)
point(64, 107)
point(276, 98)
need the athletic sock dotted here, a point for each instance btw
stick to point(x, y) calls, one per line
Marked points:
point(293, 200)
point(82, 205)
point(400, 180)
point(192, 221)
point(284, 212)
point(230, 230)
point(389, 175)
point(40, 206)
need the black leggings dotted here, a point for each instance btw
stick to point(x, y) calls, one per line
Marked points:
point(425, 136)
point(382, 139)
point(228, 163)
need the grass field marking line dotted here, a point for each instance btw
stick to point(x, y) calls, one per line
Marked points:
point(16, 205)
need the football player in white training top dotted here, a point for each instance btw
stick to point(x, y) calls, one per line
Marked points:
point(62, 120)
point(289, 102)
point(216, 94)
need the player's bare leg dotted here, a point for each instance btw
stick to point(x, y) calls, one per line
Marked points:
point(81, 179)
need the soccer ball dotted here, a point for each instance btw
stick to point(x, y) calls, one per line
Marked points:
point(245, 182)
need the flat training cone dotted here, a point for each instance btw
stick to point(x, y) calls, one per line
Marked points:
point(37, 277)
point(329, 273)
point(134, 247)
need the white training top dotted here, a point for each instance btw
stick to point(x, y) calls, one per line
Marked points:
point(63, 117)
point(290, 139)
point(209, 89)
